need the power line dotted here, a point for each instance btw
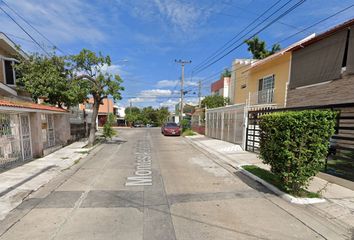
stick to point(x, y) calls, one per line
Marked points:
point(244, 29)
point(212, 76)
point(34, 28)
point(325, 19)
point(253, 35)
point(29, 35)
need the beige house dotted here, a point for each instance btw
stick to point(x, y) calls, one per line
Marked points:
point(27, 129)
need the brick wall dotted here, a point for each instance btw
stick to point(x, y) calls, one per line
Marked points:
point(337, 91)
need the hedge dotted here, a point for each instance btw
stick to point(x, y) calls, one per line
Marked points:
point(295, 145)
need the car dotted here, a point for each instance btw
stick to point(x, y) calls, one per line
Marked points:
point(171, 129)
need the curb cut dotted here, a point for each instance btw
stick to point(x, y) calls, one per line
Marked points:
point(283, 195)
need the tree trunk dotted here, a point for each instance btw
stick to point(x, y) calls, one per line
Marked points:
point(92, 136)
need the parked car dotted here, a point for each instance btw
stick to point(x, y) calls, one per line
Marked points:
point(171, 129)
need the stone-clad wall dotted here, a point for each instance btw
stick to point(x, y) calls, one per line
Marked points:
point(337, 91)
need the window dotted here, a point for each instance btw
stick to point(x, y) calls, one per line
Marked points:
point(266, 90)
point(266, 83)
point(9, 72)
point(5, 125)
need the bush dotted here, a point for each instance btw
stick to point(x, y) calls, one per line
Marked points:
point(108, 131)
point(185, 124)
point(295, 145)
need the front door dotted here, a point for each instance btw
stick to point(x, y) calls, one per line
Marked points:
point(26, 137)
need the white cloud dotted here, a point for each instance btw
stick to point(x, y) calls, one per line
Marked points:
point(156, 93)
point(173, 83)
point(142, 100)
point(65, 21)
point(169, 103)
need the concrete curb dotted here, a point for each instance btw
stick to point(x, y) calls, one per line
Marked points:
point(283, 195)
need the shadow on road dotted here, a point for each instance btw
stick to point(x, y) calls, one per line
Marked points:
point(252, 183)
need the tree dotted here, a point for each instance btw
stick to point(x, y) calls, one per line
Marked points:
point(162, 115)
point(132, 114)
point(226, 73)
point(49, 77)
point(258, 48)
point(215, 101)
point(88, 66)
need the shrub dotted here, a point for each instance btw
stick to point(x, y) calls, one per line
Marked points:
point(185, 124)
point(108, 131)
point(295, 145)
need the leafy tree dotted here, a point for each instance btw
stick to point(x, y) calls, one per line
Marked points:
point(134, 110)
point(162, 115)
point(214, 101)
point(226, 73)
point(88, 66)
point(132, 114)
point(147, 115)
point(49, 77)
point(258, 48)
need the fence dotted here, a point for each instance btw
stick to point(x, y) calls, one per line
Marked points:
point(198, 121)
point(340, 161)
point(226, 123)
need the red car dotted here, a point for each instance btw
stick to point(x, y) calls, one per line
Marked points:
point(171, 129)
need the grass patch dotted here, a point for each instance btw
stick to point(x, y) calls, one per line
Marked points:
point(275, 181)
point(77, 161)
point(188, 132)
point(83, 152)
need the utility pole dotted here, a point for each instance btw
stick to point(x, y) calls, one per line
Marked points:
point(182, 62)
point(200, 93)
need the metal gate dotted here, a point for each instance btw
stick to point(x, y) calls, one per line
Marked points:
point(26, 143)
point(226, 123)
point(10, 139)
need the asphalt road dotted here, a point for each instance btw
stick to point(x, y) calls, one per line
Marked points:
point(147, 186)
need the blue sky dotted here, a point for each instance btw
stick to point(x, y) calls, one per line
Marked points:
point(144, 37)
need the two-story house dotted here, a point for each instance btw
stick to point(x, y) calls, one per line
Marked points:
point(27, 129)
point(265, 81)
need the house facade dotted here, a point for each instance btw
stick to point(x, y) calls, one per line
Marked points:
point(27, 129)
point(221, 87)
point(264, 82)
point(106, 107)
point(323, 69)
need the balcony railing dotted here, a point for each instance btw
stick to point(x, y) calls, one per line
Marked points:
point(262, 97)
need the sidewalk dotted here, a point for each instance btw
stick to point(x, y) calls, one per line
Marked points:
point(340, 200)
point(16, 184)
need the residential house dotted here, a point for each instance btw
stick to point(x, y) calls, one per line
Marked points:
point(322, 76)
point(322, 69)
point(27, 129)
point(221, 87)
point(106, 107)
point(238, 80)
point(264, 82)
point(119, 112)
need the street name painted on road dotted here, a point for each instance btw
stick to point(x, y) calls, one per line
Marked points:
point(143, 172)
